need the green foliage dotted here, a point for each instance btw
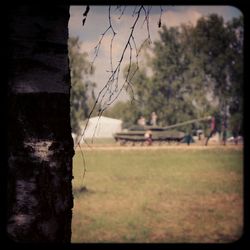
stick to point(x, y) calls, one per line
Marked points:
point(196, 71)
point(236, 67)
point(170, 86)
point(82, 90)
point(219, 49)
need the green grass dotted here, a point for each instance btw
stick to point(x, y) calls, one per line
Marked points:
point(165, 195)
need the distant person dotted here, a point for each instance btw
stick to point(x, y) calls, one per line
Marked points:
point(224, 133)
point(142, 121)
point(212, 130)
point(153, 120)
point(148, 137)
point(199, 133)
point(235, 133)
point(188, 138)
point(213, 124)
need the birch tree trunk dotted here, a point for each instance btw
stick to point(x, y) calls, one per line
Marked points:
point(40, 146)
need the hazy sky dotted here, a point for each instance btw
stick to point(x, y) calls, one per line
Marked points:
point(97, 22)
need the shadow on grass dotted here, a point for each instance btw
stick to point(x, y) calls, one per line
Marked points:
point(82, 191)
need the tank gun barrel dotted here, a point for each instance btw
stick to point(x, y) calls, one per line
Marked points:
point(188, 122)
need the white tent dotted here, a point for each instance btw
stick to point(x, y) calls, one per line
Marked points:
point(103, 127)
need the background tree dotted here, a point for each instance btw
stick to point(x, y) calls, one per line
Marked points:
point(82, 94)
point(167, 92)
point(218, 48)
point(139, 93)
point(171, 87)
point(235, 72)
point(196, 72)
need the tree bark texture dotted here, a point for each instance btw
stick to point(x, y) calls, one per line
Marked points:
point(40, 146)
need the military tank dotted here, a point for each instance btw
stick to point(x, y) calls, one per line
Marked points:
point(168, 134)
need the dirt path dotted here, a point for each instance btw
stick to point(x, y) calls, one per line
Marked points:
point(94, 147)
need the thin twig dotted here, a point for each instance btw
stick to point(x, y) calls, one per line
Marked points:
point(159, 22)
point(134, 11)
point(147, 21)
point(111, 43)
point(115, 72)
point(84, 163)
point(122, 12)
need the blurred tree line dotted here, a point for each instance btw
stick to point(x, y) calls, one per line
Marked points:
point(196, 71)
point(82, 89)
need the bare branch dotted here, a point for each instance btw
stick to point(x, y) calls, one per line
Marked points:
point(111, 43)
point(134, 11)
point(147, 12)
point(85, 15)
point(118, 7)
point(159, 22)
point(117, 69)
point(122, 12)
point(97, 47)
point(111, 88)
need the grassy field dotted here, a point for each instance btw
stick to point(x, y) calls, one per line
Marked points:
point(164, 195)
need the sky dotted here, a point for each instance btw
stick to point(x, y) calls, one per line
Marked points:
point(98, 21)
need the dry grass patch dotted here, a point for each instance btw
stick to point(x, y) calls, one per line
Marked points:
point(159, 196)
